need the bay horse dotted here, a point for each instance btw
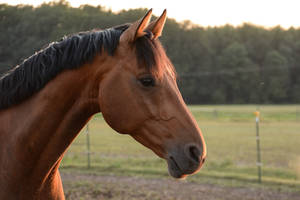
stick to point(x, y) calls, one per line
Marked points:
point(122, 72)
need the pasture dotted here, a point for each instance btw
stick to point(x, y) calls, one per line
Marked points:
point(230, 167)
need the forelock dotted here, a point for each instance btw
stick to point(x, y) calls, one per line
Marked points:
point(151, 55)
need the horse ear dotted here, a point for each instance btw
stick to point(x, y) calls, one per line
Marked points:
point(136, 30)
point(157, 26)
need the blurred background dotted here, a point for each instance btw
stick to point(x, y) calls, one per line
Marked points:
point(232, 57)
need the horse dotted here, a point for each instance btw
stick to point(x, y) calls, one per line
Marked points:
point(122, 72)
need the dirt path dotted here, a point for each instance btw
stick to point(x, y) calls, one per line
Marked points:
point(81, 186)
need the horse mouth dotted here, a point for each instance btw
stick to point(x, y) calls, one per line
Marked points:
point(174, 169)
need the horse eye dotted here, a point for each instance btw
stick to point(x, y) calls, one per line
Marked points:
point(147, 82)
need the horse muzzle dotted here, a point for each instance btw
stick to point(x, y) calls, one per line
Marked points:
point(185, 161)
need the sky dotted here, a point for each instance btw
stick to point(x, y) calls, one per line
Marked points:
point(268, 13)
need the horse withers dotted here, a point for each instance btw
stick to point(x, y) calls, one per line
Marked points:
point(122, 72)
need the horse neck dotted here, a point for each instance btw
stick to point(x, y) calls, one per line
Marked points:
point(47, 123)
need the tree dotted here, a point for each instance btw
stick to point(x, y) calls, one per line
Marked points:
point(237, 75)
point(275, 76)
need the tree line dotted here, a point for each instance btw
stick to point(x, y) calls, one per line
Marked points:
point(215, 65)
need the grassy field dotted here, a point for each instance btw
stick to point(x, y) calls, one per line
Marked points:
point(229, 132)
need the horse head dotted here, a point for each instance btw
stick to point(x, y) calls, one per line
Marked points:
point(139, 96)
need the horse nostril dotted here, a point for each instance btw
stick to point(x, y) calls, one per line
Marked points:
point(194, 153)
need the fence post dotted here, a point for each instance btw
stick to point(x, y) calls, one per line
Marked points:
point(258, 163)
point(215, 113)
point(88, 145)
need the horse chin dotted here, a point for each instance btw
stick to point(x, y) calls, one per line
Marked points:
point(174, 169)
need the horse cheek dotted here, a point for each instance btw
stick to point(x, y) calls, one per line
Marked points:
point(120, 109)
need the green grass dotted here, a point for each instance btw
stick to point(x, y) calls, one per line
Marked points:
point(229, 132)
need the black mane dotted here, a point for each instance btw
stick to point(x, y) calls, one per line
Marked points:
point(71, 52)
